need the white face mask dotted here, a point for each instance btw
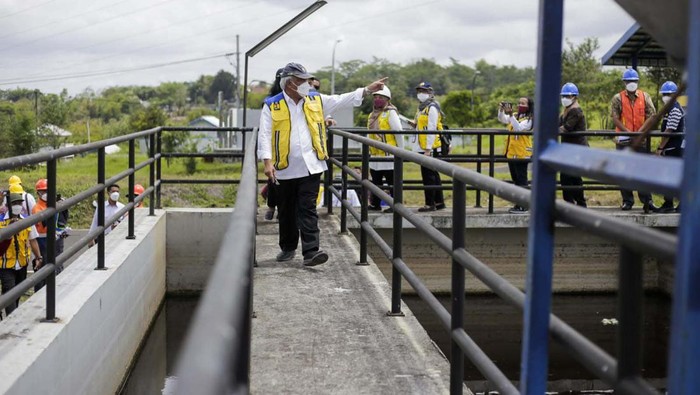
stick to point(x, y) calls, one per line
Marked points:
point(114, 196)
point(16, 209)
point(303, 89)
point(666, 99)
point(42, 196)
point(631, 86)
point(566, 102)
point(422, 97)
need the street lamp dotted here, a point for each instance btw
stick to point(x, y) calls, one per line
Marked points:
point(333, 68)
point(269, 40)
point(477, 72)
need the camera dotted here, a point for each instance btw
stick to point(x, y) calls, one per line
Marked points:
point(505, 104)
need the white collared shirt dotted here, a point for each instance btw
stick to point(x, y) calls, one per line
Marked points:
point(302, 157)
point(109, 212)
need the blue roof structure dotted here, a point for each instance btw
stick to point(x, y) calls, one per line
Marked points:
point(636, 48)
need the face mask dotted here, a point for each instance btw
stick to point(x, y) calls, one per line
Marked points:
point(422, 97)
point(566, 102)
point(631, 86)
point(379, 102)
point(42, 196)
point(16, 209)
point(666, 99)
point(114, 196)
point(522, 109)
point(303, 89)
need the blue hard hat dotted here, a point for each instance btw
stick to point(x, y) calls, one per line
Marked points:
point(569, 89)
point(630, 75)
point(425, 85)
point(668, 87)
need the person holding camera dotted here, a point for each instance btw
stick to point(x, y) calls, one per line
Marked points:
point(17, 250)
point(518, 146)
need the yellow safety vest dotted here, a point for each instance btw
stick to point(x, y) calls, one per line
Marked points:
point(518, 146)
point(282, 127)
point(422, 124)
point(10, 258)
point(390, 139)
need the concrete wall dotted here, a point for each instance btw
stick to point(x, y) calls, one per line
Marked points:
point(582, 262)
point(103, 316)
point(194, 237)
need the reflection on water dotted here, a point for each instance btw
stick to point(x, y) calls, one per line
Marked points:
point(152, 373)
point(497, 328)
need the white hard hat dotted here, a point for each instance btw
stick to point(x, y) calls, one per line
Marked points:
point(384, 92)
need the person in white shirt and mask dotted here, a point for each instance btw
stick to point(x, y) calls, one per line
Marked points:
point(112, 206)
point(292, 144)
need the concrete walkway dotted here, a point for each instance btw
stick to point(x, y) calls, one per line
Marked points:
point(324, 329)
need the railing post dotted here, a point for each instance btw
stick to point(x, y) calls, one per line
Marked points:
point(397, 250)
point(50, 258)
point(364, 214)
point(629, 309)
point(328, 181)
point(132, 164)
point(101, 208)
point(152, 173)
point(492, 164)
point(344, 186)
point(159, 147)
point(540, 235)
point(478, 167)
point(459, 202)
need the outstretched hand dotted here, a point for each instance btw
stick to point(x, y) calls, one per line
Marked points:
point(377, 85)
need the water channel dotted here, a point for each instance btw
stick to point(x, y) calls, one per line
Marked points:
point(495, 326)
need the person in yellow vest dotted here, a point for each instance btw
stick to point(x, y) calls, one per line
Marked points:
point(429, 117)
point(518, 147)
point(629, 110)
point(292, 144)
point(17, 255)
point(384, 116)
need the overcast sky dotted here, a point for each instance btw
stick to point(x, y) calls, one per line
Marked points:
point(47, 39)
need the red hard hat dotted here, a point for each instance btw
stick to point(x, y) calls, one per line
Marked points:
point(138, 189)
point(41, 185)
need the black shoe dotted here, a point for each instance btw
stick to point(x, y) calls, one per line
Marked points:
point(518, 210)
point(582, 204)
point(374, 208)
point(389, 210)
point(626, 206)
point(315, 258)
point(285, 256)
point(440, 206)
point(426, 208)
point(269, 214)
point(650, 207)
point(667, 209)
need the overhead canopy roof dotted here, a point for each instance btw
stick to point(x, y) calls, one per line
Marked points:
point(636, 48)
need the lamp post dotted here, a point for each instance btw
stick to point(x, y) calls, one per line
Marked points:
point(477, 72)
point(269, 40)
point(333, 68)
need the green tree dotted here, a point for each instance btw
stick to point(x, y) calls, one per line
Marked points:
point(224, 82)
point(147, 118)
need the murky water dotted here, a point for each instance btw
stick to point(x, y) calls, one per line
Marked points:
point(156, 363)
point(495, 326)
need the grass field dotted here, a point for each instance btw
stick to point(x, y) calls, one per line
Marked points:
point(80, 173)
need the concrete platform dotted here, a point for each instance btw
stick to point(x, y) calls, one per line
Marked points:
point(325, 330)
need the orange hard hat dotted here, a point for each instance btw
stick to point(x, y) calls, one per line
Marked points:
point(138, 189)
point(42, 185)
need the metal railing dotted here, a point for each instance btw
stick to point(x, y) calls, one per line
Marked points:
point(490, 158)
point(635, 240)
point(48, 271)
point(216, 354)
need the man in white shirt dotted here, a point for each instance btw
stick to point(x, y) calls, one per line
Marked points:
point(112, 205)
point(292, 144)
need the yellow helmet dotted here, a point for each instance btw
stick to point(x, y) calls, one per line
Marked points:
point(14, 180)
point(16, 188)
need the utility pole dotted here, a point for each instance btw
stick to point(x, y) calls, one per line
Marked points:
point(237, 96)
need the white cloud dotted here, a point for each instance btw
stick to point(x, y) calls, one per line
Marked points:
point(81, 36)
